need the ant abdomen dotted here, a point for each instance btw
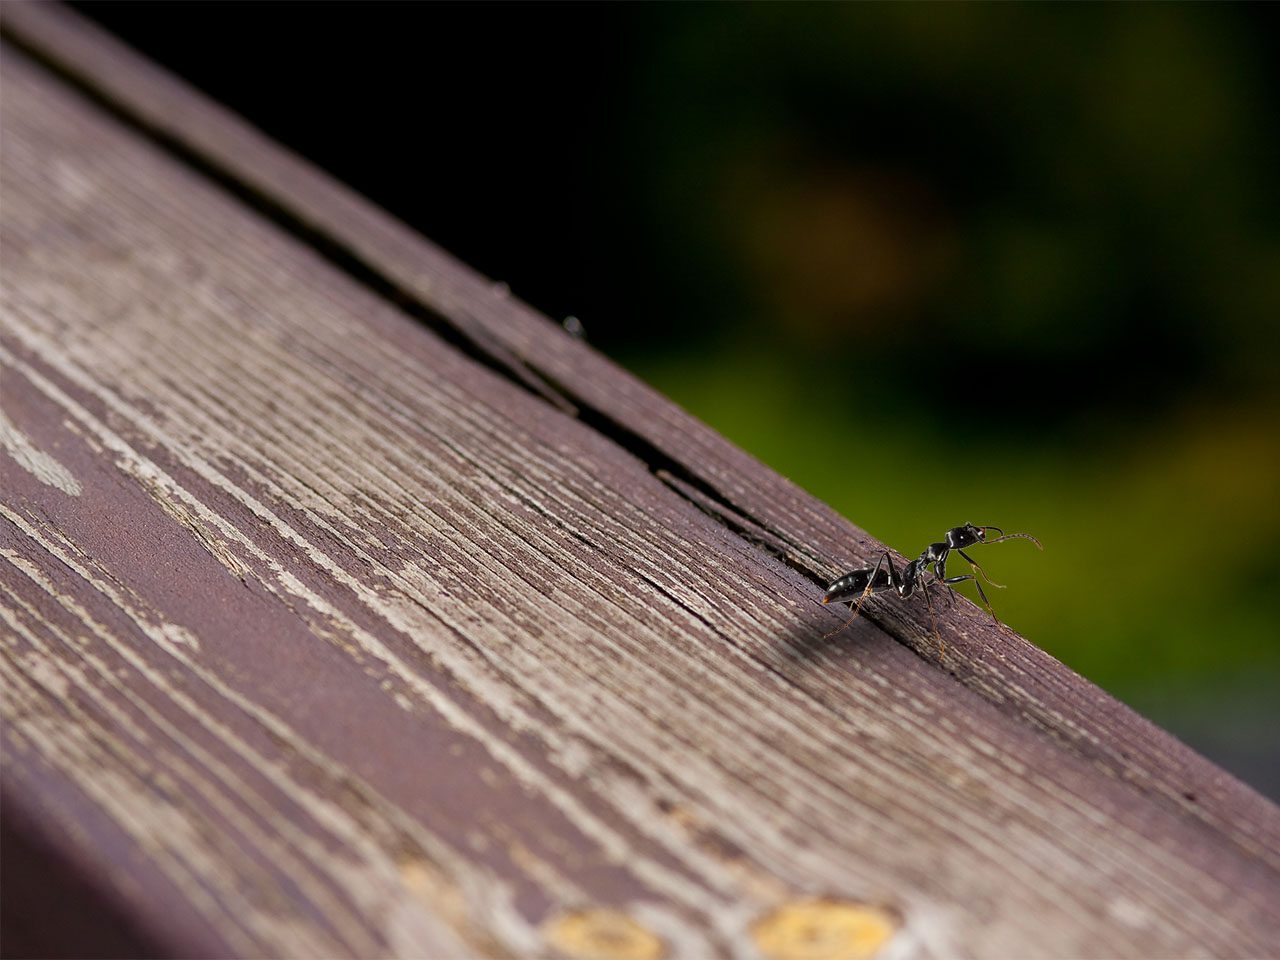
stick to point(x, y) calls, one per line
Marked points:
point(853, 583)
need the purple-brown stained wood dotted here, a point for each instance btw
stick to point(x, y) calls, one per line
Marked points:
point(326, 632)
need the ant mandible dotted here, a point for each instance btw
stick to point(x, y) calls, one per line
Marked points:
point(856, 585)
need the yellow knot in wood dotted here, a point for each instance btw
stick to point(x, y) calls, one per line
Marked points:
point(823, 930)
point(601, 935)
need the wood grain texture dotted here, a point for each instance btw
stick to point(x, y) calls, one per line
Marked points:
point(320, 637)
point(1016, 676)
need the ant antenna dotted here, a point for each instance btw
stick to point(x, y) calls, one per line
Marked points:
point(1015, 536)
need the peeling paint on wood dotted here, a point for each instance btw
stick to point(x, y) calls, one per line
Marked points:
point(39, 464)
point(824, 930)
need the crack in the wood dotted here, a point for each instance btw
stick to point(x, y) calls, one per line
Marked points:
point(466, 335)
point(457, 330)
point(755, 532)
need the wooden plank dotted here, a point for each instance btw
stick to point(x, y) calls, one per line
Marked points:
point(321, 637)
point(1014, 675)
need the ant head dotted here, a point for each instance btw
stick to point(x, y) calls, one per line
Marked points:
point(968, 535)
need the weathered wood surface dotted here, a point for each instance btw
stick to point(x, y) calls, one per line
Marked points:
point(323, 637)
point(1014, 675)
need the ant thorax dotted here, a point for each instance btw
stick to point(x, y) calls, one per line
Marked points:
point(935, 552)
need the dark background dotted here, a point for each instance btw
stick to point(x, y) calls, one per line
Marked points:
point(1018, 265)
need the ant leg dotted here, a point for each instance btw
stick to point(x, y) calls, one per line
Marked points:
point(933, 621)
point(951, 600)
point(940, 576)
point(866, 592)
point(977, 566)
point(982, 593)
point(1004, 627)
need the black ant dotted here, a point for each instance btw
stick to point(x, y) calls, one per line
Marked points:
point(856, 585)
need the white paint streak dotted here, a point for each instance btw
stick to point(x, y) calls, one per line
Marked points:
point(35, 461)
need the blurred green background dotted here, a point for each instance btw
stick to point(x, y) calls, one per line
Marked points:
point(1009, 264)
point(1014, 265)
